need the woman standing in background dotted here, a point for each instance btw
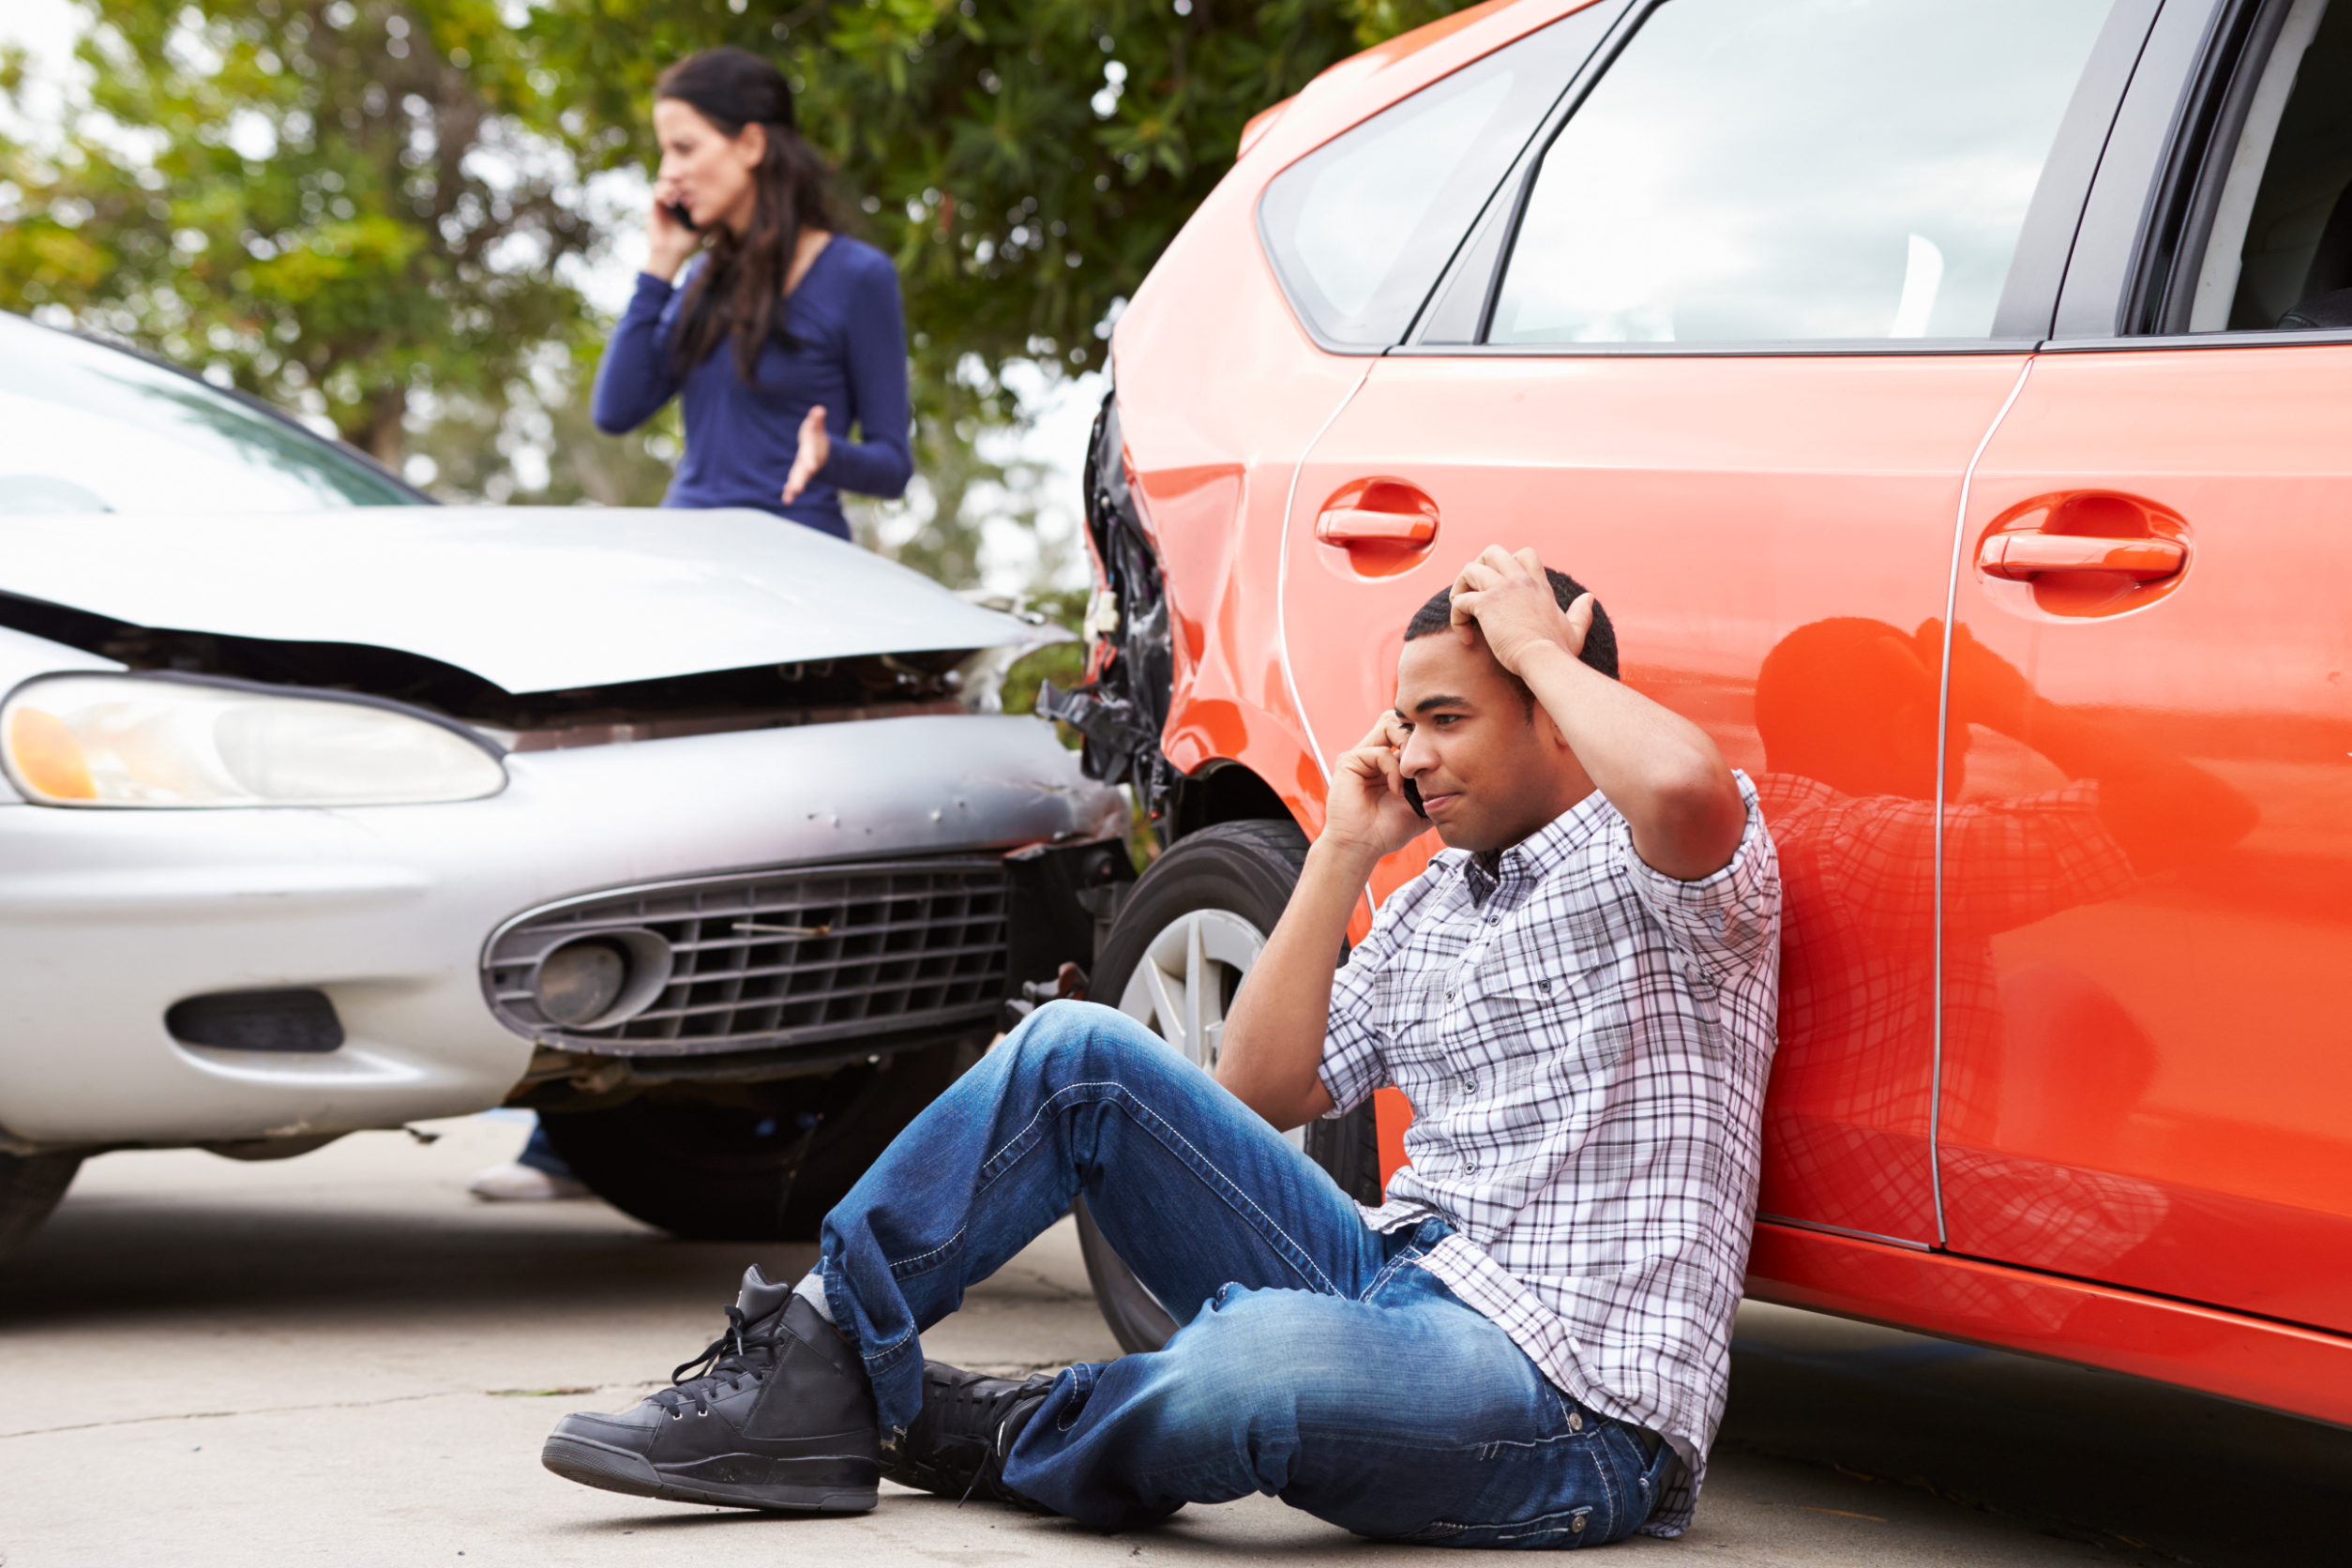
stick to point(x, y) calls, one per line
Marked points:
point(785, 334)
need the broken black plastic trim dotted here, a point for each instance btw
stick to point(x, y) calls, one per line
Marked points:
point(1124, 709)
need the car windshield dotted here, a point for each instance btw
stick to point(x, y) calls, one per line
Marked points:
point(85, 428)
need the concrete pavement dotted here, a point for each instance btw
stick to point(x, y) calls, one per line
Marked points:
point(343, 1359)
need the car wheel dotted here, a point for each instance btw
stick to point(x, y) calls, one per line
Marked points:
point(1178, 951)
point(760, 1162)
point(30, 1186)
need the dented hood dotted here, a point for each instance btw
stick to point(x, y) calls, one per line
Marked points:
point(530, 598)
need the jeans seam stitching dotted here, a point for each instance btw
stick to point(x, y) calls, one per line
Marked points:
point(1388, 1271)
point(1161, 1127)
point(925, 1256)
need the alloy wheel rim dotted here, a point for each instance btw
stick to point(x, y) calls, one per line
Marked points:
point(1180, 985)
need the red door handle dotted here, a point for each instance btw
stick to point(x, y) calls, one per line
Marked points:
point(2022, 557)
point(1379, 512)
point(1354, 525)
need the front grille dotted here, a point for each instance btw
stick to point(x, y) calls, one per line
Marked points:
point(904, 944)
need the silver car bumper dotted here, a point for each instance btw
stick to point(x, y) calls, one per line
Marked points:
point(109, 918)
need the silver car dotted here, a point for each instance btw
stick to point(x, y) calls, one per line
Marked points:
point(327, 809)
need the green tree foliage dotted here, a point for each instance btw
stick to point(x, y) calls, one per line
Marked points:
point(365, 207)
point(1024, 161)
point(324, 202)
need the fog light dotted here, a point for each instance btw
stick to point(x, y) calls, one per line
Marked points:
point(579, 983)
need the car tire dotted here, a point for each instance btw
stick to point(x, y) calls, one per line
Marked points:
point(760, 1162)
point(1226, 885)
point(31, 1186)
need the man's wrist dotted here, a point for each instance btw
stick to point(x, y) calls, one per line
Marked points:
point(1343, 857)
point(1541, 656)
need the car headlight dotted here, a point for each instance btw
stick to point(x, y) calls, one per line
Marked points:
point(177, 741)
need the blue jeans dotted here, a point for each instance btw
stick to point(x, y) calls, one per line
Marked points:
point(1313, 1362)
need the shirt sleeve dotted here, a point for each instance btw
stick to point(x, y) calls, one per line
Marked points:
point(1354, 1062)
point(634, 378)
point(1728, 921)
point(876, 341)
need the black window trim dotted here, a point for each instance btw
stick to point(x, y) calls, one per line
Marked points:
point(2112, 241)
point(2024, 316)
point(2131, 300)
point(1500, 219)
point(2270, 337)
point(2188, 189)
point(2156, 140)
point(1257, 208)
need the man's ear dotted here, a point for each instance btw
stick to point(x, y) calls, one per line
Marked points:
point(1546, 731)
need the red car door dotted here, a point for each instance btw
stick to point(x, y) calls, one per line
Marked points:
point(1726, 359)
point(2147, 1075)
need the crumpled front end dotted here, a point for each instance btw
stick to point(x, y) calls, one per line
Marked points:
point(1123, 707)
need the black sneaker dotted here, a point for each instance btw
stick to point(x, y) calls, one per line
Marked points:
point(967, 1426)
point(778, 1414)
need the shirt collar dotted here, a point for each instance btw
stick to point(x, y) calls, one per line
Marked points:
point(1519, 866)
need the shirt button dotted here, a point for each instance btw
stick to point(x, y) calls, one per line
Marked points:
point(1470, 1083)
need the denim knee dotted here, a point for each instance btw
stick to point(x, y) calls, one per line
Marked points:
point(1072, 1042)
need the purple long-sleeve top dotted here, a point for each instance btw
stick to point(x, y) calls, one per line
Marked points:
point(741, 437)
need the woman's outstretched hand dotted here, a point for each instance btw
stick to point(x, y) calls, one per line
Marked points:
point(816, 445)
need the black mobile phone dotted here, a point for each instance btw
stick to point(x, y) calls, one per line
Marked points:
point(684, 219)
point(1412, 798)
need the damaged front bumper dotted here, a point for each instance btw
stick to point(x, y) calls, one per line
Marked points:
point(113, 918)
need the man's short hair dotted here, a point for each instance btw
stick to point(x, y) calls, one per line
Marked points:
point(1600, 643)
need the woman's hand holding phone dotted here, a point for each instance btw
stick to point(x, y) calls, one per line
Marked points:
point(670, 235)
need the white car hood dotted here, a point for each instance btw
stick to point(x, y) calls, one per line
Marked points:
point(531, 598)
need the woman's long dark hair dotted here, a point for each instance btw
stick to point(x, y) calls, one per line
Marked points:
point(738, 292)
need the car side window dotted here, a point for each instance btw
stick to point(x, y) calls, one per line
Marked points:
point(1358, 229)
point(1774, 170)
point(2279, 253)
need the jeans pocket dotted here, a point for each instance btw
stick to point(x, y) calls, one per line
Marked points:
point(1564, 1530)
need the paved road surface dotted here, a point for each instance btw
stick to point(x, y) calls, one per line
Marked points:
point(342, 1359)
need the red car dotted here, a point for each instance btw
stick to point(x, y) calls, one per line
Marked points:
point(1951, 402)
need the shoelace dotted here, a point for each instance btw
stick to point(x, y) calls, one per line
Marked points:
point(723, 1360)
point(979, 1418)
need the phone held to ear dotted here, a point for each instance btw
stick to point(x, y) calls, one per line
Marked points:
point(684, 219)
point(1412, 798)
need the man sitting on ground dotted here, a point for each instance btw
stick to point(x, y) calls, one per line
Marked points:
point(1526, 1345)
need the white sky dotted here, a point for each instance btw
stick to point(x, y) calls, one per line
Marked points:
point(1061, 413)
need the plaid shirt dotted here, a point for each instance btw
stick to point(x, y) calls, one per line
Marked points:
point(1585, 1042)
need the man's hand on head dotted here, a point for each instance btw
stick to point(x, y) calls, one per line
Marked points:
point(1666, 777)
point(1509, 599)
point(1369, 812)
